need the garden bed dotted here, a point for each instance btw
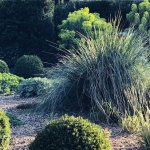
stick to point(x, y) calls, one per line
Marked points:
point(32, 122)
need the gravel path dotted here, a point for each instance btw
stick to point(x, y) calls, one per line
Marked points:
point(24, 134)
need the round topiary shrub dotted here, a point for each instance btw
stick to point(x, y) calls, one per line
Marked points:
point(29, 66)
point(4, 131)
point(70, 133)
point(3, 67)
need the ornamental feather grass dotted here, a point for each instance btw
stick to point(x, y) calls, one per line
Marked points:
point(109, 69)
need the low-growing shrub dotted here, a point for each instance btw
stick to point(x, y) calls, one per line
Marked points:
point(9, 83)
point(29, 66)
point(4, 131)
point(131, 124)
point(34, 87)
point(3, 67)
point(71, 133)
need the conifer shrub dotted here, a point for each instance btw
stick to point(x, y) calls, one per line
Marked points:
point(4, 131)
point(3, 67)
point(71, 133)
point(29, 66)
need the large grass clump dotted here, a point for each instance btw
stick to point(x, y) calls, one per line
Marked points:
point(71, 133)
point(4, 131)
point(108, 74)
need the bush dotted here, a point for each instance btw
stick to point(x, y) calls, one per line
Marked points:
point(3, 67)
point(107, 9)
point(140, 16)
point(111, 68)
point(82, 22)
point(26, 26)
point(9, 83)
point(71, 133)
point(34, 87)
point(28, 66)
point(131, 124)
point(4, 131)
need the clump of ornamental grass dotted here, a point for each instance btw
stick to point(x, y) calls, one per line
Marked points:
point(109, 68)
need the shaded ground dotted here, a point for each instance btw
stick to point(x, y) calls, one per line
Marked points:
point(24, 134)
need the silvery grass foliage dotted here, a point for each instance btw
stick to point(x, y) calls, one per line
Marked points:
point(34, 87)
point(109, 69)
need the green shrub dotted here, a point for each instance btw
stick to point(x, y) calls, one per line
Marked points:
point(9, 83)
point(29, 66)
point(82, 22)
point(3, 67)
point(4, 131)
point(140, 16)
point(34, 87)
point(71, 133)
point(131, 124)
point(14, 121)
point(26, 26)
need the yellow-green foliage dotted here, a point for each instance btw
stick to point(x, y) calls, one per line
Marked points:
point(70, 133)
point(9, 83)
point(131, 124)
point(81, 21)
point(4, 131)
point(140, 15)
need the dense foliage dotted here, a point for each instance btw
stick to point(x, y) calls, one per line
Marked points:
point(71, 133)
point(83, 22)
point(9, 83)
point(4, 131)
point(25, 27)
point(109, 69)
point(3, 67)
point(29, 66)
point(140, 16)
point(34, 87)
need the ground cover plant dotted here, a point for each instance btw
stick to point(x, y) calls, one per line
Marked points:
point(34, 87)
point(4, 131)
point(69, 132)
point(9, 83)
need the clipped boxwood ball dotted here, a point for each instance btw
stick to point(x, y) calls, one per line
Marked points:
point(70, 133)
point(3, 67)
point(4, 131)
point(29, 66)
